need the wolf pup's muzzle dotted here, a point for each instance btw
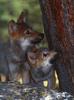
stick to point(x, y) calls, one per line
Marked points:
point(38, 39)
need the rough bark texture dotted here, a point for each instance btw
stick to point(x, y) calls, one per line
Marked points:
point(58, 19)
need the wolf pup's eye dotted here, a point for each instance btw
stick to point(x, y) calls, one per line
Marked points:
point(27, 32)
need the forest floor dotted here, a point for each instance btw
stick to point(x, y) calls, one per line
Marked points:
point(15, 91)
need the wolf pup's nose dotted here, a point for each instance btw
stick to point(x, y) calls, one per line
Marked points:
point(41, 36)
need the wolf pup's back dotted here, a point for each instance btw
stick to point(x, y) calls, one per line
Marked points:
point(4, 69)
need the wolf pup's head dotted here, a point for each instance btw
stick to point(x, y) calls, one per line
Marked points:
point(22, 34)
point(41, 61)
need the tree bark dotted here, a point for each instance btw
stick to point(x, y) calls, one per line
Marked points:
point(58, 19)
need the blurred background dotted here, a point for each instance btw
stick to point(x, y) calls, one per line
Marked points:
point(11, 9)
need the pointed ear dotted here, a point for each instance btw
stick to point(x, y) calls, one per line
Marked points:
point(53, 54)
point(12, 27)
point(31, 57)
point(23, 17)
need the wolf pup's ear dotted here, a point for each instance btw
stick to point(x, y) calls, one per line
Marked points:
point(12, 27)
point(23, 17)
point(53, 54)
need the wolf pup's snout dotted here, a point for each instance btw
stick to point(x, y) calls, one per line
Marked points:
point(38, 38)
point(41, 36)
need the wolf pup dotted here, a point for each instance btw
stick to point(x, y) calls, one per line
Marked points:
point(41, 61)
point(21, 38)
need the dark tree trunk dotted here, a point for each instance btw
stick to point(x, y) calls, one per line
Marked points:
point(58, 19)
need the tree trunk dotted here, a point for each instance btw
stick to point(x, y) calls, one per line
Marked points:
point(58, 19)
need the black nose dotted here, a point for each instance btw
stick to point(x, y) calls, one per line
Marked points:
point(38, 39)
point(41, 36)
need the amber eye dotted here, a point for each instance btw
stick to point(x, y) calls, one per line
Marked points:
point(27, 32)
